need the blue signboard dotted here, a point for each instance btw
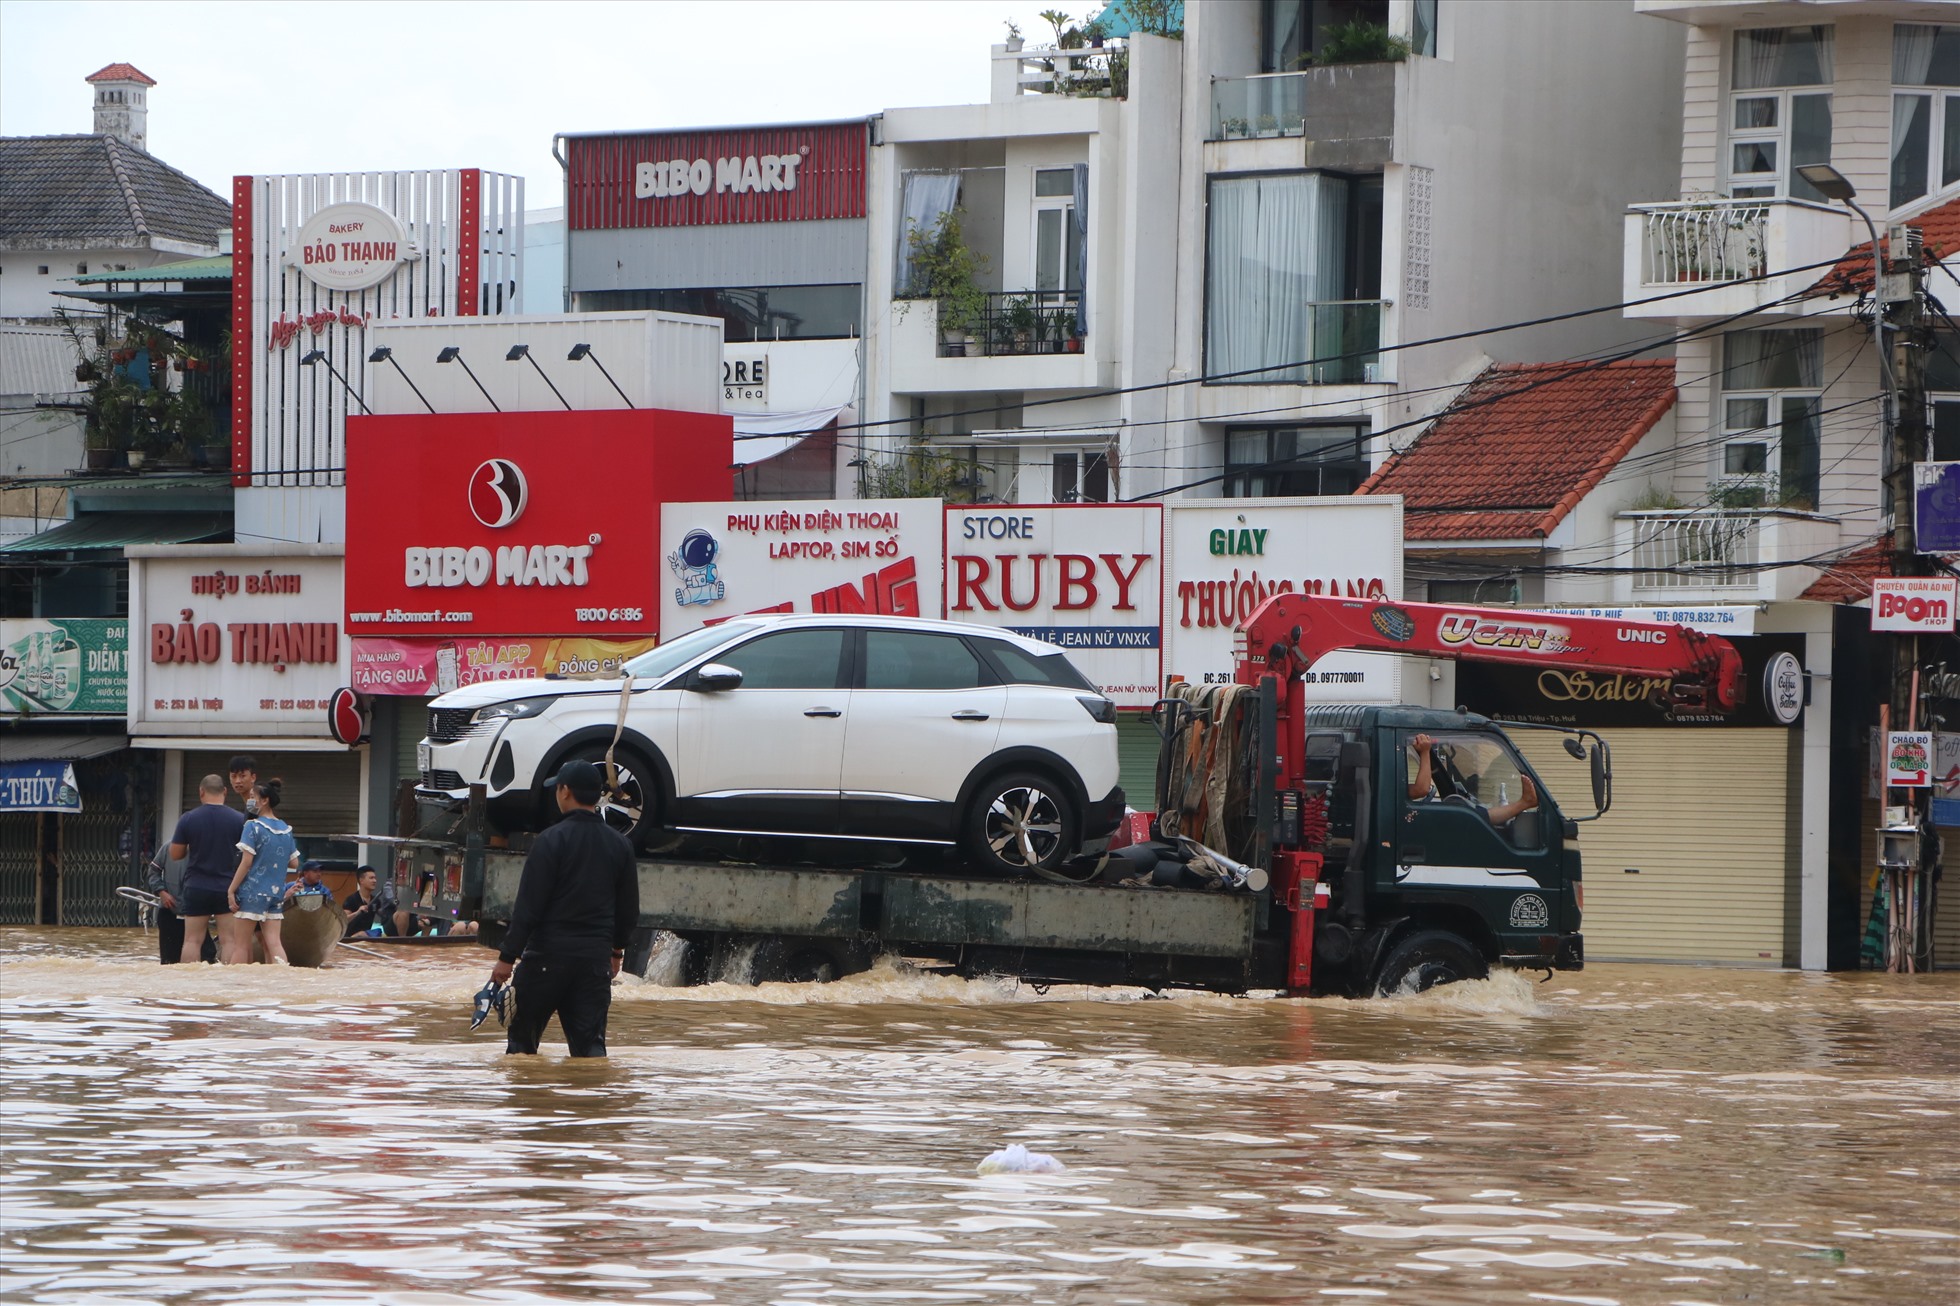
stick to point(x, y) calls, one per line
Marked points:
point(1936, 507)
point(39, 787)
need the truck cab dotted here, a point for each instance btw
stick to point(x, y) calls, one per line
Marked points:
point(1435, 871)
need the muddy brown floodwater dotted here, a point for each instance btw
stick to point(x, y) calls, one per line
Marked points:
point(1626, 1135)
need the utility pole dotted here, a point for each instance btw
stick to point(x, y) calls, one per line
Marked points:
point(1899, 301)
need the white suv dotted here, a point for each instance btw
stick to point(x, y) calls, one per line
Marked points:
point(851, 727)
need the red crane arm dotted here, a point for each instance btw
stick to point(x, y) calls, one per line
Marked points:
point(1288, 633)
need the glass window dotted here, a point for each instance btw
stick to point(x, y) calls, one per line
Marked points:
point(1479, 770)
point(1783, 56)
point(1017, 666)
point(1771, 438)
point(1925, 122)
point(1773, 131)
point(683, 649)
point(1422, 28)
point(790, 659)
point(748, 313)
point(1080, 477)
point(1293, 460)
point(895, 659)
point(1054, 181)
point(1490, 590)
point(1291, 291)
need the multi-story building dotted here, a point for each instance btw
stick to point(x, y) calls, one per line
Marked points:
point(1207, 266)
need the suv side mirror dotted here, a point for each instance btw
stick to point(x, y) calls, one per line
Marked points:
point(713, 677)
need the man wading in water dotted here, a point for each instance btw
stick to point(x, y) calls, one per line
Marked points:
point(578, 901)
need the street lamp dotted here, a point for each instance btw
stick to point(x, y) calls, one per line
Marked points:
point(320, 356)
point(454, 354)
point(524, 352)
point(387, 355)
point(585, 351)
point(1833, 185)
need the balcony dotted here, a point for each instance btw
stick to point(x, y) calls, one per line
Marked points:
point(1720, 555)
point(1023, 342)
point(1345, 112)
point(1733, 256)
point(1341, 346)
point(1023, 322)
point(1266, 104)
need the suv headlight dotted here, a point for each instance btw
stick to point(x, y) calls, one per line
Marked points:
point(1100, 708)
point(522, 707)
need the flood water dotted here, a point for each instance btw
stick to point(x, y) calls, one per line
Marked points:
point(1625, 1135)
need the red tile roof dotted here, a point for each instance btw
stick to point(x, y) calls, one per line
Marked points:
point(1521, 446)
point(1939, 229)
point(121, 72)
point(1849, 579)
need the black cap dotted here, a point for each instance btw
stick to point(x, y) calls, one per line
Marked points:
point(581, 777)
point(312, 866)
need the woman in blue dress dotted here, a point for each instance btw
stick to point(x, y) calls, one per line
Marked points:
point(258, 887)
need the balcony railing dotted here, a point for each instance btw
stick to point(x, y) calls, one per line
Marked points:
point(1704, 242)
point(1341, 347)
point(1724, 553)
point(1019, 322)
point(1265, 104)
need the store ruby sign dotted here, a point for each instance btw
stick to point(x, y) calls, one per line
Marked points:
point(519, 523)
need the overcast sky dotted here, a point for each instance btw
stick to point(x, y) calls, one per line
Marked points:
point(352, 86)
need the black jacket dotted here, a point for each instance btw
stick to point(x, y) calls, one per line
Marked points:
point(579, 895)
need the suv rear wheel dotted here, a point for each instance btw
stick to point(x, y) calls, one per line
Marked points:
point(1020, 821)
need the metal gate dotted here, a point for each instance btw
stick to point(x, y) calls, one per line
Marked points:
point(20, 865)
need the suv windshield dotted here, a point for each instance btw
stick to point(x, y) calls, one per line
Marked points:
point(668, 658)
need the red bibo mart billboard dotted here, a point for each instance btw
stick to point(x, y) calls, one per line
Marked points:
point(519, 523)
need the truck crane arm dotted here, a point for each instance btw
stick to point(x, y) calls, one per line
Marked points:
point(1288, 633)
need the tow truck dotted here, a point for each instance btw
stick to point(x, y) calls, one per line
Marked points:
point(1303, 849)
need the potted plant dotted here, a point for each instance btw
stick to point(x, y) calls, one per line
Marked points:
point(1014, 41)
point(1268, 125)
point(1358, 41)
point(1022, 322)
point(945, 270)
point(1235, 128)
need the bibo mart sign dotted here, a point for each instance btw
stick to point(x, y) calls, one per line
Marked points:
point(1087, 577)
point(547, 525)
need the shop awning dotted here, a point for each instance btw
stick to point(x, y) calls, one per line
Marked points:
point(113, 530)
point(58, 748)
point(39, 787)
point(761, 436)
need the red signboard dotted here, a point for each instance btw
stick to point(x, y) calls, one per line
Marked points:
point(519, 523)
point(694, 179)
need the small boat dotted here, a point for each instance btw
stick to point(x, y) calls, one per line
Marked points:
point(311, 930)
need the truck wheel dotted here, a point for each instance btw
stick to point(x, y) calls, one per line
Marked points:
point(1018, 822)
point(1424, 960)
point(633, 808)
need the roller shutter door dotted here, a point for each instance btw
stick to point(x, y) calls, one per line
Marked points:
point(322, 792)
point(1136, 749)
point(1706, 817)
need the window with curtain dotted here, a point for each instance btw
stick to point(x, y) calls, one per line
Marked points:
point(926, 199)
point(1262, 461)
point(1779, 110)
point(1291, 294)
point(1057, 235)
point(1292, 29)
point(1925, 109)
point(1772, 391)
point(1943, 396)
point(1422, 28)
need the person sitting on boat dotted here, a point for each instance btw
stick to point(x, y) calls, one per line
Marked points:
point(308, 883)
point(367, 911)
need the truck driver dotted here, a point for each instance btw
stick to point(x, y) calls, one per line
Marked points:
point(1422, 788)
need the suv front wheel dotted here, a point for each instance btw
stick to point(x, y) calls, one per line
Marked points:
point(1020, 821)
point(632, 805)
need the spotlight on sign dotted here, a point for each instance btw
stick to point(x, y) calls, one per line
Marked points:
point(524, 352)
point(454, 354)
point(585, 351)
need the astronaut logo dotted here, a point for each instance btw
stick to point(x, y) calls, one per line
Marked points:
point(497, 492)
point(693, 564)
